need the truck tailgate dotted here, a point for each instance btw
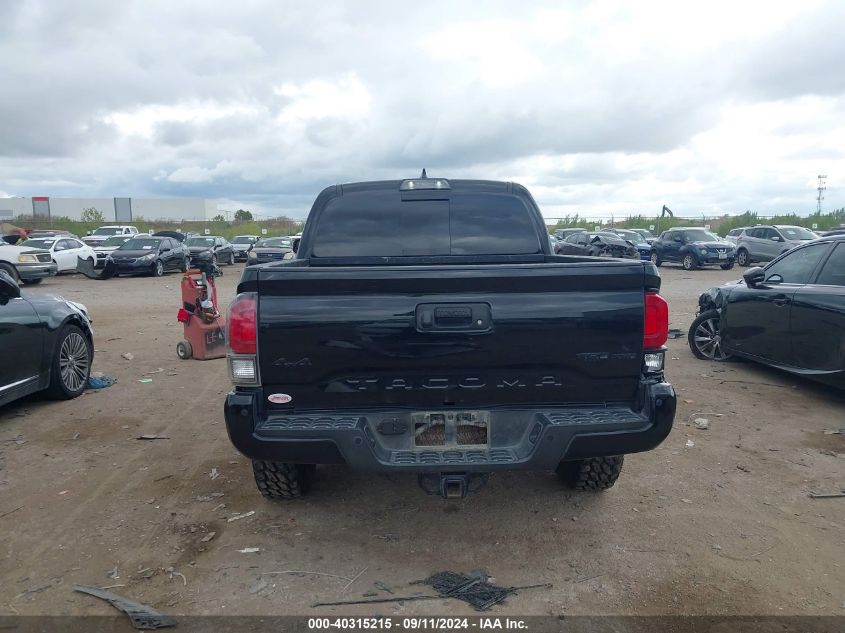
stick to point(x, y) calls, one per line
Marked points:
point(451, 336)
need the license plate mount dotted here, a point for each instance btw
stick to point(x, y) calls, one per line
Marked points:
point(435, 430)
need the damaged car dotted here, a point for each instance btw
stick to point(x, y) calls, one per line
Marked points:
point(601, 244)
point(789, 315)
point(47, 344)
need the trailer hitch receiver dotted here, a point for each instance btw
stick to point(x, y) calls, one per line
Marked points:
point(452, 485)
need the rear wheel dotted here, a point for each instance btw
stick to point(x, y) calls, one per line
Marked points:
point(705, 337)
point(280, 480)
point(689, 262)
point(593, 473)
point(71, 364)
point(655, 258)
point(742, 257)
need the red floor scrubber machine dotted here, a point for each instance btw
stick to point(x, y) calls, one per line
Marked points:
point(204, 326)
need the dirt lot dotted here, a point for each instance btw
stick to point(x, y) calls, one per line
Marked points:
point(720, 526)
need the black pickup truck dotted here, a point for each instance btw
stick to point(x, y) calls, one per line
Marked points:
point(424, 326)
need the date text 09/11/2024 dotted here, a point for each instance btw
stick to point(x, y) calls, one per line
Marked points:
point(416, 623)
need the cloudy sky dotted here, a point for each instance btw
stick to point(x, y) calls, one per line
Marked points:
point(600, 108)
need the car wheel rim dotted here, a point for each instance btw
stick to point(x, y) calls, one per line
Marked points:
point(654, 258)
point(159, 269)
point(741, 259)
point(708, 340)
point(688, 262)
point(73, 362)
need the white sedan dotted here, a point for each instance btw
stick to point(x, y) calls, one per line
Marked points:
point(64, 251)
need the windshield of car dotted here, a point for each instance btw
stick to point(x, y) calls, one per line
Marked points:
point(243, 239)
point(39, 243)
point(796, 233)
point(140, 244)
point(700, 235)
point(644, 232)
point(117, 240)
point(108, 231)
point(201, 241)
point(278, 242)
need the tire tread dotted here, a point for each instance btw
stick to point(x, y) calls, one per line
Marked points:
point(591, 474)
point(281, 480)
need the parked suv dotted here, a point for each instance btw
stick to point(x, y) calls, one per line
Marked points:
point(692, 247)
point(733, 234)
point(764, 243)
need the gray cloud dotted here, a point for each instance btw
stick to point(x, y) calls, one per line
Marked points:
point(267, 102)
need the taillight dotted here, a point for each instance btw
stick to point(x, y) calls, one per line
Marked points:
point(241, 324)
point(656, 325)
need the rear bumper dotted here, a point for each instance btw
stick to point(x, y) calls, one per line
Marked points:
point(28, 272)
point(519, 438)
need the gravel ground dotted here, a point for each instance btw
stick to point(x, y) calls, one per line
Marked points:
point(714, 521)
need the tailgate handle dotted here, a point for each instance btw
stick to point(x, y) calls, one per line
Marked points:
point(452, 316)
point(464, 317)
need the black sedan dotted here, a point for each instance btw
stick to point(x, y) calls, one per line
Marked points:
point(602, 244)
point(789, 314)
point(220, 249)
point(272, 249)
point(149, 255)
point(46, 343)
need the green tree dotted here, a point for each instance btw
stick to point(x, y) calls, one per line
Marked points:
point(93, 215)
point(218, 218)
point(242, 215)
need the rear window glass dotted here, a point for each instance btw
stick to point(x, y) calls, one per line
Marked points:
point(381, 224)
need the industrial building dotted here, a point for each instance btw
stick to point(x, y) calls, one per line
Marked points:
point(121, 210)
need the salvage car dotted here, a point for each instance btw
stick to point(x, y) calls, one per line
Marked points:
point(468, 349)
point(149, 255)
point(601, 244)
point(789, 314)
point(635, 238)
point(47, 344)
point(270, 249)
point(219, 248)
point(764, 243)
point(692, 248)
point(241, 244)
point(26, 264)
point(64, 251)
